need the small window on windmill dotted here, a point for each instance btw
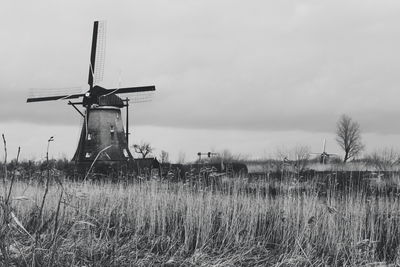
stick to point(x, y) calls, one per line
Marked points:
point(125, 153)
point(88, 155)
point(112, 129)
point(89, 136)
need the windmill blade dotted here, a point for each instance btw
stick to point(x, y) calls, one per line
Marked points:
point(97, 54)
point(93, 54)
point(141, 97)
point(38, 95)
point(50, 98)
point(100, 52)
point(131, 90)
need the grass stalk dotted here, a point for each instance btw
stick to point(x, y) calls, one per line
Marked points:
point(13, 176)
point(4, 231)
point(5, 166)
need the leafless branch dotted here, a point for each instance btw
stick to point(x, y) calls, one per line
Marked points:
point(348, 136)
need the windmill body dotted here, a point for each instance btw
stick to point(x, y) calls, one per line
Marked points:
point(102, 127)
point(103, 139)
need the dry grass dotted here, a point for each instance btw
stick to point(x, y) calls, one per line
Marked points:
point(154, 223)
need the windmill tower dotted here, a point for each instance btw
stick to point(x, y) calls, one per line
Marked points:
point(103, 139)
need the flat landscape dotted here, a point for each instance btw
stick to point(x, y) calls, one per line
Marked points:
point(323, 220)
point(200, 133)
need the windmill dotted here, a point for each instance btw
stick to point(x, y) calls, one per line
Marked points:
point(102, 139)
point(324, 156)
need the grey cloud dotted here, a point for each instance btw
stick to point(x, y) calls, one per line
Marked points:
point(217, 64)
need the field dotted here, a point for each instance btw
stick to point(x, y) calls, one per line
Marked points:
point(292, 221)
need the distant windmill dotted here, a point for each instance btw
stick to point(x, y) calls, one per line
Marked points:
point(102, 139)
point(324, 156)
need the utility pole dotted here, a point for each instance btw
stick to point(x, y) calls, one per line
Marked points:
point(47, 152)
point(47, 156)
point(208, 154)
point(127, 120)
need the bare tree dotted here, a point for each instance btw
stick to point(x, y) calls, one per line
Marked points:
point(348, 136)
point(301, 157)
point(164, 155)
point(297, 157)
point(384, 159)
point(144, 149)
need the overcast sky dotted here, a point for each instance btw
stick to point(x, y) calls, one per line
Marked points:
point(249, 76)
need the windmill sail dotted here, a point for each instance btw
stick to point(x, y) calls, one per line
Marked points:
point(97, 54)
point(100, 52)
point(141, 97)
point(131, 90)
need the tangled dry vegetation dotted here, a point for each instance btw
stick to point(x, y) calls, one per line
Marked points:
point(242, 223)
